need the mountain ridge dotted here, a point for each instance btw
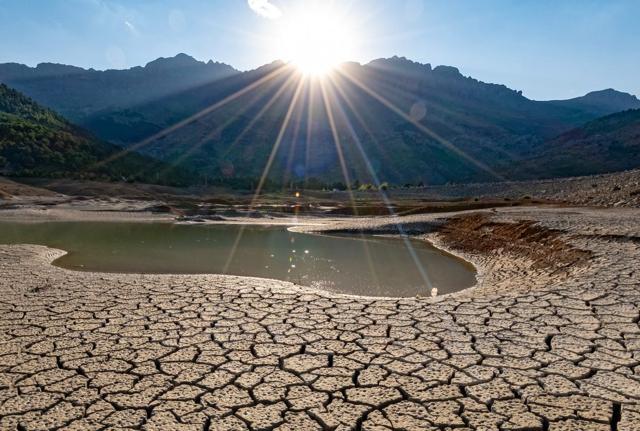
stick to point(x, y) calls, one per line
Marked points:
point(602, 102)
point(9, 70)
point(414, 122)
point(76, 92)
point(45, 68)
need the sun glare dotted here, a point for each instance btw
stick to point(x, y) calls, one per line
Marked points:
point(316, 40)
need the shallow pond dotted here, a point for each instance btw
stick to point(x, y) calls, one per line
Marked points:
point(354, 264)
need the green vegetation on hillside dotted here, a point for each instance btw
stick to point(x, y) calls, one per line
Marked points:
point(35, 141)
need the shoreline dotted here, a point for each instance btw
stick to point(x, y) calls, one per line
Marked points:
point(311, 225)
point(482, 264)
point(532, 347)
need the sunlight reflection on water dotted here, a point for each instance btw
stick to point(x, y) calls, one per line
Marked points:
point(372, 266)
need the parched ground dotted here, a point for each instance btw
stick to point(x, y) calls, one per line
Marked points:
point(541, 343)
point(619, 189)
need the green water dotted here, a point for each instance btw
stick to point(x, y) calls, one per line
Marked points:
point(361, 265)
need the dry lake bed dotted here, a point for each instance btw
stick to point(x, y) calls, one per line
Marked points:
point(547, 338)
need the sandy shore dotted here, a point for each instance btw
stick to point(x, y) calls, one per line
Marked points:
point(535, 346)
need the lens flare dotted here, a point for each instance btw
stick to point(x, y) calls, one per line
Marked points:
point(316, 39)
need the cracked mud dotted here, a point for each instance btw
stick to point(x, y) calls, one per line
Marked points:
point(527, 349)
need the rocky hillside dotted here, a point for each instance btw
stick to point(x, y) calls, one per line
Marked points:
point(608, 144)
point(620, 189)
point(602, 102)
point(77, 93)
point(414, 123)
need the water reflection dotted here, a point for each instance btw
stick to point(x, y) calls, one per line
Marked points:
point(364, 266)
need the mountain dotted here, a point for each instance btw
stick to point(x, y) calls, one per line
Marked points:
point(601, 103)
point(76, 93)
point(35, 141)
point(608, 144)
point(392, 119)
point(464, 126)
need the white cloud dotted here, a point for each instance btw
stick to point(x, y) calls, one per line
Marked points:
point(265, 8)
point(132, 28)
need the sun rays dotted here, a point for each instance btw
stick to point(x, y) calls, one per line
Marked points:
point(316, 38)
point(311, 102)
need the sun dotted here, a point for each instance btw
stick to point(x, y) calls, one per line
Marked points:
point(316, 39)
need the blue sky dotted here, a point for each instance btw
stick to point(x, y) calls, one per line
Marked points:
point(546, 48)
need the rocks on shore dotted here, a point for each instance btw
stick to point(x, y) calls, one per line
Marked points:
point(621, 189)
